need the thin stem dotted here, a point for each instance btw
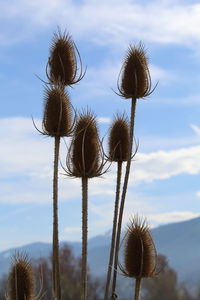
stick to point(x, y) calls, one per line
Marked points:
point(137, 288)
point(126, 177)
point(56, 268)
point(114, 229)
point(84, 237)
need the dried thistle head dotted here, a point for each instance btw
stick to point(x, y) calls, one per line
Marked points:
point(140, 254)
point(63, 61)
point(57, 112)
point(21, 281)
point(135, 80)
point(85, 158)
point(119, 140)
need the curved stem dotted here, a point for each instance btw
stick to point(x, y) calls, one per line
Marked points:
point(137, 288)
point(84, 237)
point(56, 269)
point(114, 229)
point(128, 165)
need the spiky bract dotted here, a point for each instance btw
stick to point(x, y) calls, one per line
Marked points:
point(119, 140)
point(63, 60)
point(84, 158)
point(57, 112)
point(140, 253)
point(135, 81)
point(21, 281)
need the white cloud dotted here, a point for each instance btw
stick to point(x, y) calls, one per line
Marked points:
point(105, 22)
point(165, 164)
point(26, 160)
point(196, 129)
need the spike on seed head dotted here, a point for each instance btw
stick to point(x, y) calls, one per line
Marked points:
point(135, 76)
point(85, 151)
point(63, 60)
point(140, 253)
point(57, 112)
point(119, 140)
point(21, 281)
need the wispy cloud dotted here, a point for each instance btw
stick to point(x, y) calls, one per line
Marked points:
point(120, 21)
point(26, 160)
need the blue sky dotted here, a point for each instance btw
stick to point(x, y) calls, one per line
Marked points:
point(165, 176)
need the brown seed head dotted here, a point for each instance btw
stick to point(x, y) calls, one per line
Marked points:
point(140, 253)
point(21, 281)
point(119, 140)
point(57, 112)
point(84, 155)
point(135, 76)
point(63, 64)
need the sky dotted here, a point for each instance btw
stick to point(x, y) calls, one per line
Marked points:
point(164, 182)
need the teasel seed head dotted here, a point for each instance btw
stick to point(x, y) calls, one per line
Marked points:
point(57, 112)
point(63, 63)
point(85, 156)
point(119, 140)
point(140, 253)
point(21, 280)
point(135, 80)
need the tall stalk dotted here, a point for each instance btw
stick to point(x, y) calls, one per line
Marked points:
point(55, 250)
point(114, 229)
point(128, 165)
point(137, 288)
point(84, 237)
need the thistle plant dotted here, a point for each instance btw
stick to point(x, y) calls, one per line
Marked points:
point(21, 280)
point(62, 71)
point(56, 123)
point(135, 83)
point(118, 152)
point(64, 61)
point(140, 253)
point(85, 160)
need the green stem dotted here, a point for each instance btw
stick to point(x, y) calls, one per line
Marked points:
point(84, 237)
point(112, 247)
point(56, 269)
point(137, 288)
point(126, 177)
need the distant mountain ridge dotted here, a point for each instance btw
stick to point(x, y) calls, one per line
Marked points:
point(180, 242)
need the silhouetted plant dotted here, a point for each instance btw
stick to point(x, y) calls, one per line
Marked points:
point(63, 62)
point(118, 152)
point(85, 160)
point(134, 83)
point(21, 280)
point(140, 256)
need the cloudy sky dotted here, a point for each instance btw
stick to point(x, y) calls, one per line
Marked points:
point(165, 176)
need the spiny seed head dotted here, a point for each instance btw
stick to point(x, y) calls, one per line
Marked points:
point(140, 253)
point(119, 140)
point(21, 281)
point(63, 64)
point(84, 154)
point(57, 112)
point(135, 76)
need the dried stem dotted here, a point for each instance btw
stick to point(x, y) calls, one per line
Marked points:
point(137, 288)
point(133, 108)
point(84, 237)
point(56, 269)
point(114, 229)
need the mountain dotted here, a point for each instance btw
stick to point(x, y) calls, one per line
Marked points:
point(180, 242)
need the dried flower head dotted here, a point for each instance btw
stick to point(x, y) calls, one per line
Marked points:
point(57, 112)
point(21, 281)
point(140, 253)
point(135, 80)
point(119, 140)
point(63, 61)
point(85, 157)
